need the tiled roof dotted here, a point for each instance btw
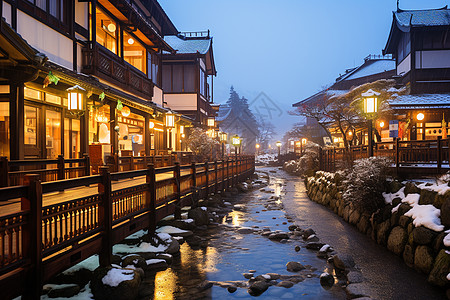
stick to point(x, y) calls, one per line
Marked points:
point(375, 67)
point(418, 18)
point(421, 101)
point(189, 45)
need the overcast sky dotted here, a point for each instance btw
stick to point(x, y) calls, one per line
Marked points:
point(288, 49)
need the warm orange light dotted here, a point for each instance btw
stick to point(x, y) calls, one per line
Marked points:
point(382, 124)
point(257, 146)
point(125, 111)
point(350, 133)
point(420, 116)
point(151, 125)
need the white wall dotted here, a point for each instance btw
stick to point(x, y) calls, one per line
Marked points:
point(181, 101)
point(56, 46)
point(405, 66)
point(432, 59)
point(82, 14)
point(7, 12)
point(157, 96)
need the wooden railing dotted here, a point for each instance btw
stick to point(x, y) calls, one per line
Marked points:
point(415, 157)
point(101, 62)
point(38, 241)
point(12, 172)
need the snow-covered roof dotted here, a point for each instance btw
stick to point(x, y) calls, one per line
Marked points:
point(223, 113)
point(421, 101)
point(189, 45)
point(320, 95)
point(418, 18)
point(372, 68)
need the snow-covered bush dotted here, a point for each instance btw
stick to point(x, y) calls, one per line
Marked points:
point(308, 164)
point(200, 143)
point(366, 182)
point(265, 159)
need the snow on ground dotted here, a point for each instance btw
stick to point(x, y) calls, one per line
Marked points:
point(441, 188)
point(422, 215)
point(427, 216)
point(447, 239)
point(143, 247)
point(90, 263)
point(265, 158)
point(388, 197)
point(170, 230)
point(154, 261)
point(115, 276)
point(85, 294)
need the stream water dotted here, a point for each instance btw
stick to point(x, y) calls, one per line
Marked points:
point(230, 253)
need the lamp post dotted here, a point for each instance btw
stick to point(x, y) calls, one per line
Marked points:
point(223, 141)
point(302, 143)
point(170, 123)
point(257, 148)
point(370, 108)
point(279, 148)
point(236, 142)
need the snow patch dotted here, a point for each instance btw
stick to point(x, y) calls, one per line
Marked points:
point(143, 247)
point(427, 216)
point(447, 239)
point(90, 263)
point(154, 261)
point(203, 208)
point(170, 230)
point(441, 189)
point(388, 197)
point(115, 276)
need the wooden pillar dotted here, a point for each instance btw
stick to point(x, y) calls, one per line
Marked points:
point(439, 154)
point(150, 196)
point(16, 129)
point(194, 184)
point(177, 176)
point(4, 172)
point(32, 236)
point(114, 136)
point(87, 165)
point(147, 136)
point(216, 184)
point(397, 154)
point(207, 179)
point(61, 168)
point(105, 216)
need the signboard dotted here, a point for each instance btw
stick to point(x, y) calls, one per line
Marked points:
point(326, 141)
point(393, 128)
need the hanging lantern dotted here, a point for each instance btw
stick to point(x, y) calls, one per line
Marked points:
point(236, 141)
point(170, 119)
point(370, 101)
point(125, 111)
point(211, 122)
point(75, 98)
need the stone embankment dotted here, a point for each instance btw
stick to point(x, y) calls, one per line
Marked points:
point(405, 234)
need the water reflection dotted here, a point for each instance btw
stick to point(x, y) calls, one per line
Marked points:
point(165, 284)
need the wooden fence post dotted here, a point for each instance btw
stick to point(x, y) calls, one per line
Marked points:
point(320, 159)
point(87, 165)
point(151, 196)
point(4, 172)
point(397, 153)
point(177, 176)
point(207, 179)
point(228, 174)
point(194, 185)
point(216, 187)
point(32, 236)
point(105, 216)
point(61, 168)
point(439, 154)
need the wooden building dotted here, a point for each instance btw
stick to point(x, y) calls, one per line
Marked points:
point(188, 74)
point(111, 50)
point(420, 43)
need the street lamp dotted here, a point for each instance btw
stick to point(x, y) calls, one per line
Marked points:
point(257, 148)
point(302, 144)
point(223, 141)
point(170, 123)
point(279, 148)
point(236, 142)
point(370, 108)
point(211, 122)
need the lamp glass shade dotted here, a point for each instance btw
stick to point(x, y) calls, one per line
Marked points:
point(420, 116)
point(151, 125)
point(370, 105)
point(75, 97)
point(170, 120)
point(236, 141)
point(278, 144)
point(181, 129)
point(211, 122)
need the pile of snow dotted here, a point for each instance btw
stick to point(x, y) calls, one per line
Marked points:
point(265, 158)
point(85, 294)
point(441, 189)
point(388, 197)
point(144, 247)
point(90, 264)
point(115, 276)
point(170, 230)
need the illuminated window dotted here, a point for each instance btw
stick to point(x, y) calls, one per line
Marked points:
point(52, 98)
point(134, 52)
point(106, 30)
point(53, 133)
point(32, 94)
point(4, 129)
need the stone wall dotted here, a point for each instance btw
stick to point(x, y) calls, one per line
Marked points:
point(421, 248)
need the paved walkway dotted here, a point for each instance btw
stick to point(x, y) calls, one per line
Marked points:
point(387, 275)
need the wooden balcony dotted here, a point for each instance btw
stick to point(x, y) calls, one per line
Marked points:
point(101, 62)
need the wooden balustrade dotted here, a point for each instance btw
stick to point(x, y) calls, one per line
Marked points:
point(418, 157)
point(38, 241)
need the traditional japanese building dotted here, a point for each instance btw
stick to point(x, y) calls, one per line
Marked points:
point(373, 68)
point(188, 74)
point(109, 53)
point(420, 43)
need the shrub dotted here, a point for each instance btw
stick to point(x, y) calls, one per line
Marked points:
point(200, 144)
point(365, 183)
point(306, 165)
